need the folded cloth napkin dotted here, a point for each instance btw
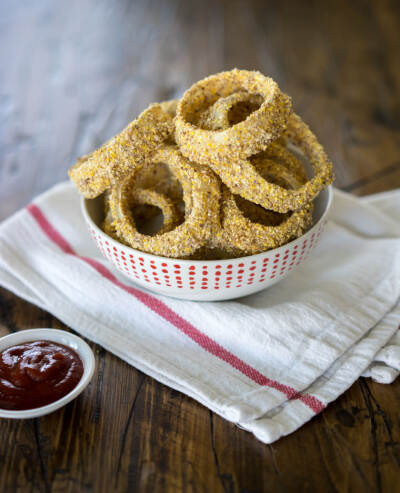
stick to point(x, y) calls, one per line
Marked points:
point(268, 362)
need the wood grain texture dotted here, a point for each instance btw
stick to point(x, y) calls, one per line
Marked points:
point(73, 73)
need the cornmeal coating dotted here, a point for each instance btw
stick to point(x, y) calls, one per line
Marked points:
point(262, 126)
point(98, 171)
point(228, 149)
point(201, 194)
point(242, 177)
point(107, 224)
point(255, 188)
point(246, 229)
point(245, 226)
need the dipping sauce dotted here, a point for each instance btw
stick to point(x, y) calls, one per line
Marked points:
point(37, 373)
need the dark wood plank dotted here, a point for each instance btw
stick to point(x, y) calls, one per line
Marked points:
point(76, 72)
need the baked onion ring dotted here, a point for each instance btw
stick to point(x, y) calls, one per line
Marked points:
point(201, 196)
point(239, 233)
point(248, 228)
point(225, 111)
point(242, 177)
point(228, 151)
point(96, 172)
point(255, 188)
point(240, 140)
point(245, 226)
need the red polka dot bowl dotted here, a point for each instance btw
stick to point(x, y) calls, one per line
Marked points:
point(207, 280)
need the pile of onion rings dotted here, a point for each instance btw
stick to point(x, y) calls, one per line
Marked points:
point(220, 172)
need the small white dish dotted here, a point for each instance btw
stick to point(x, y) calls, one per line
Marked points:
point(62, 337)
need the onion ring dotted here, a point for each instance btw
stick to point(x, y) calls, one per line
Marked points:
point(275, 197)
point(218, 117)
point(240, 140)
point(96, 172)
point(247, 227)
point(242, 177)
point(228, 151)
point(280, 176)
point(261, 231)
point(201, 213)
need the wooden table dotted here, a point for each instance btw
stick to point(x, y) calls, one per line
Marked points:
point(72, 74)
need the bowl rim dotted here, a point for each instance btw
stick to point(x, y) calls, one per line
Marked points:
point(151, 256)
point(54, 335)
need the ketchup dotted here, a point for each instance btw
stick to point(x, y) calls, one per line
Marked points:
point(37, 373)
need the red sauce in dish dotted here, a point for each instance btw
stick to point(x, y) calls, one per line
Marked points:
point(37, 373)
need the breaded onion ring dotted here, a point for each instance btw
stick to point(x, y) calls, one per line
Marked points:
point(200, 194)
point(239, 233)
point(225, 111)
point(241, 139)
point(228, 151)
point(247, 182)
point(245, 226)
point(264, 229)
point(242, 177)
point(96, 172)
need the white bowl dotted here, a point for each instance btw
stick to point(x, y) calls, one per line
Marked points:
point(62, 337)
point(206, 280)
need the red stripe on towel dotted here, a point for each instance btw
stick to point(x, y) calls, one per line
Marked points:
point(173, 318)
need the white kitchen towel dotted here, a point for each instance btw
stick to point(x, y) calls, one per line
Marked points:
point(268, 362)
